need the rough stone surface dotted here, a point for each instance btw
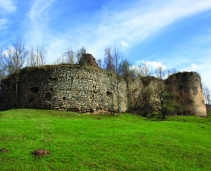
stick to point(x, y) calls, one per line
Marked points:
point(136, 88)
point(187, 87)
point(92, 90)
point(70, 88)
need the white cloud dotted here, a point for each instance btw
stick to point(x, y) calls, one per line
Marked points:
point(124, 44)
point(7, 6)
point(128, 27)
point(38, 8)
point(203, 68)
point(3, 23)
point(151, 64)
point(137, 23)
point(10, 49)
point(37, 30)
point(194, 66)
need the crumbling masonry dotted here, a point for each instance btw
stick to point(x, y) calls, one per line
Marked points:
point(90, 89)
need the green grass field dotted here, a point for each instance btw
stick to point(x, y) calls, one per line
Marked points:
point(100, 142)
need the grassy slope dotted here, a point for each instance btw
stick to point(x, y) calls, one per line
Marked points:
point(88, 142)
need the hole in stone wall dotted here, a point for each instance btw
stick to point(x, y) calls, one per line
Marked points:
point(34, 90)
point(31, 99)
point(8, 83)
point(48, 96)
point(64, 98)
point(52, 78)
point(109, 94)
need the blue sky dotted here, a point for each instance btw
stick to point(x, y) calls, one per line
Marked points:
point(171, 33)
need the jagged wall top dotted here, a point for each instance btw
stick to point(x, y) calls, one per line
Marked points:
point(187, 86)
point(90, 89)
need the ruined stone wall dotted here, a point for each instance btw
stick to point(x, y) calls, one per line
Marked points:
point(187, 87)
point(141, 88)
point(64, 87)
point(80, 89)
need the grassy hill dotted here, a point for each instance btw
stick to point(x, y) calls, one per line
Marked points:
point(99, 142)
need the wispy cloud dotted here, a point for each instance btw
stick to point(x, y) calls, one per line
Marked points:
point(36, 23)
point(3, 23)
point(137, 23)
point(7, 6)
point(130, 25)
point(38, 8)
point(151, 64)
point(59, 25)
point(133, 25)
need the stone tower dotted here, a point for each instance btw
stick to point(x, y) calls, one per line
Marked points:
point(187, 87)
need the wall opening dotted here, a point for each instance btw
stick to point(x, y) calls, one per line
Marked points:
point(31, 99)
point(34, 90)
point(8, 83)
point(52, 78)
point(48, 96)
point(109, 94)
point(64, 98)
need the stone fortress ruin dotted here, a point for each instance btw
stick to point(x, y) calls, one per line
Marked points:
point(91, 89)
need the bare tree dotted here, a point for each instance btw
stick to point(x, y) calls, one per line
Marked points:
point(160, 72)
point(2, 66)
point(109, 60)
point(42, 55)
point(142, 70)
point(37, 57)
point(113, 63)
point(13, 57)
point(60, 60)
point(207, 94)
point(170, 72)
point(80, 53)
point(31, 60)
point(70, 56)
point(99, 63)
point(118, 59)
